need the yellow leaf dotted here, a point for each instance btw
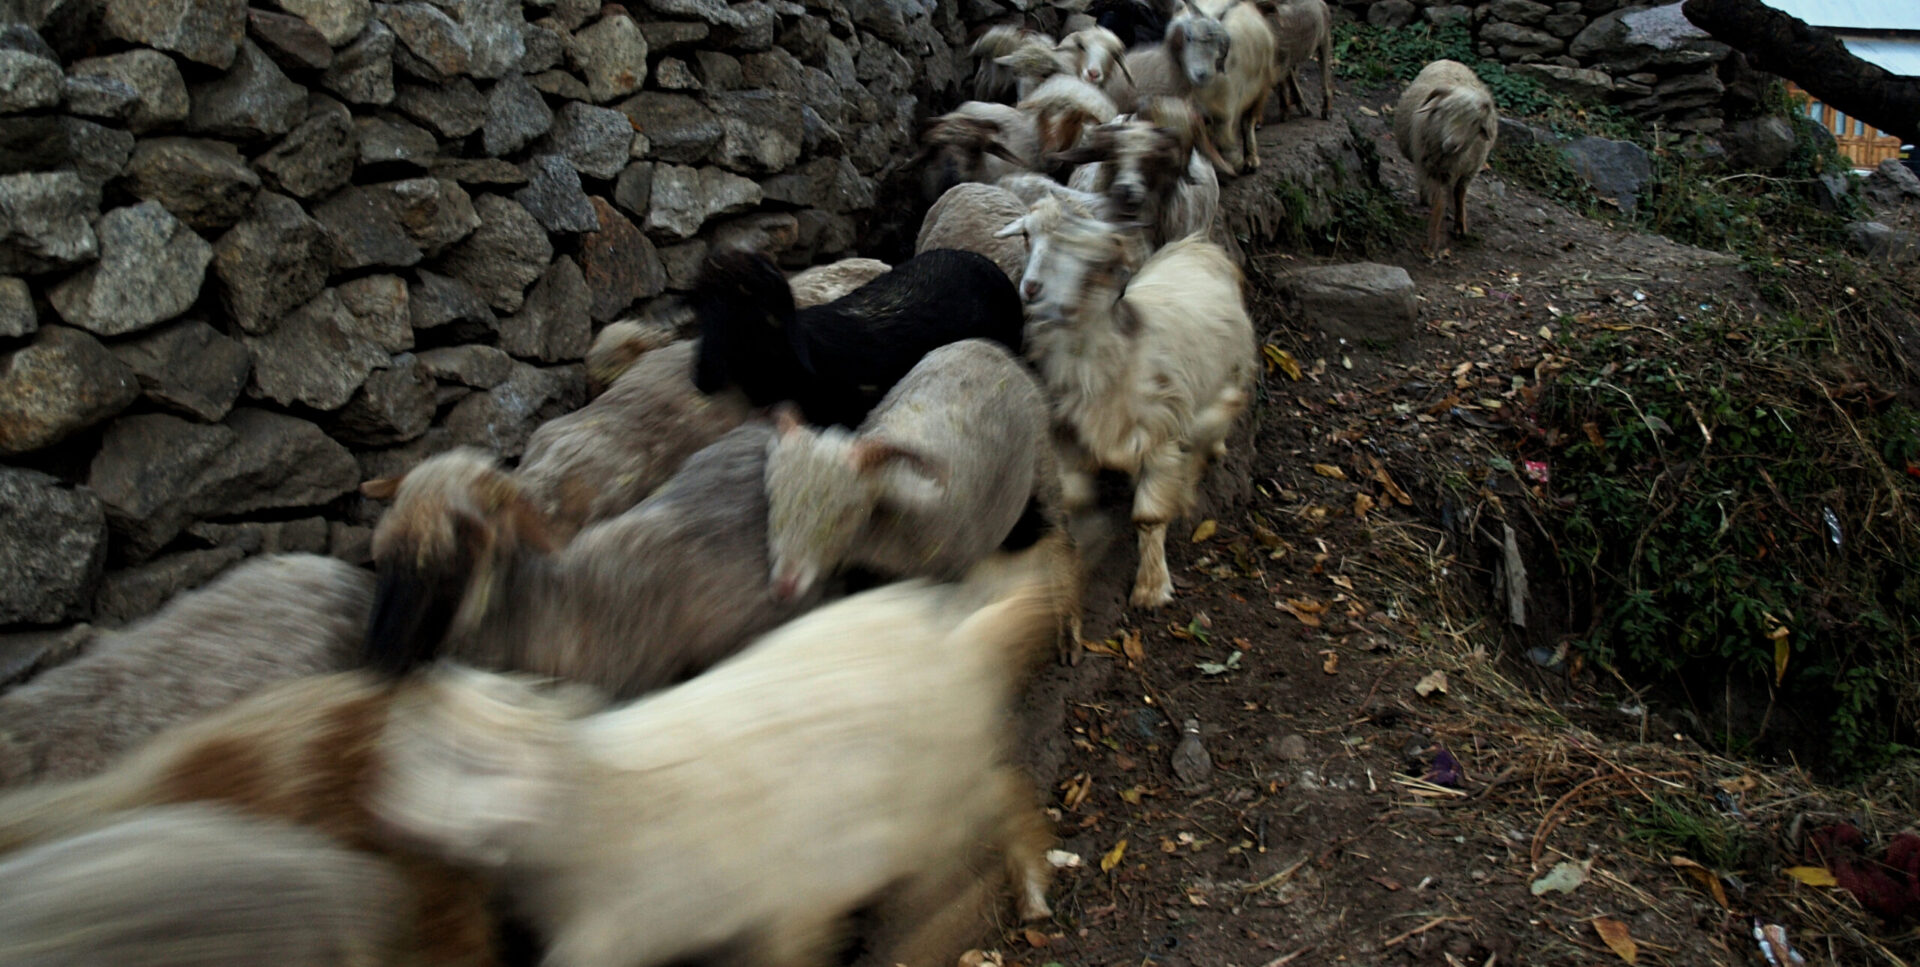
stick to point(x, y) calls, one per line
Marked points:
point(1341, 580)
point(1811, 875)
point(1617, 937)
point(1704, 877)
point(1130, 796)
point(1329, 470)
point(1332, 665)
point(1283, 359)
point(1205, 530)
point(1130, 646)
point(1112, 859)
point(1361, 504)
point(1034, 938)
point(1307, 611)
point(1780, 650)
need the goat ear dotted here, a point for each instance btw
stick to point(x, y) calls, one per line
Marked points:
point(1004, 153)
point(870, 455)
point(1016, 227)
point(382, 488)
point(1121, 61)
point(786, 418)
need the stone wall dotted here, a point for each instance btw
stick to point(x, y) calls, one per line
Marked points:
point(252, 256)
point(1648, 59)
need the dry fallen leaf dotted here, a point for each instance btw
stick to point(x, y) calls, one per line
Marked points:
point(1329, 470)
point(1307, 610)
point(1341, 580)
point(1034, 938)
point(1113, 857)
point(1205, 530)
point(1738, 784)
point(1565, 877)
point(1283, 359)
point(1361, 504)
point(1131, 796)
point(1705, 877)
point(1811, 875)
point(1076, 790)
point(1617, 937)
point(1332, 665)
point(1130, 646)
point(1436, 681)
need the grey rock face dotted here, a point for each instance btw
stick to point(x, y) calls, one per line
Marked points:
point(339, 21)
point(386, 140)
point(202, 31)
point(29, 82)
point(317, 356)
point(554, 197)
point(502, 418)
point(1617, 170)
point(59, 384)
point(1762, 144)
point(453, 110)
point(830, 184)
point(204, 183)
point(99, 97)
point(1391, 13)
point(1525, 12)
point(683, 198)
point(481, 367)
point(396, 223)
point(188, 367)
point(53, 546)
point(253, 100)
point(51, 142)
point(439, 47)
point(596, 139)
point(1583, 82)
point(379, 304)
point(292, 42)
point(1881, 241)
point(306, 535)
point(553, 326)
point(317, 156)
point(363, 73)
point(761, 131)
point(681, 129)
point(150, 269)
point(435, 300)
point(495, 35)
point(43, 221)
point(1515, 40)
point(619, 263)
point(1359, 302)
point(516, 114)
point(612, 54)
point(17, 315)
point(503, 256)
point(633, 191)
point(394, 405)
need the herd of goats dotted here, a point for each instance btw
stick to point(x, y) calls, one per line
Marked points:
point(724, 669)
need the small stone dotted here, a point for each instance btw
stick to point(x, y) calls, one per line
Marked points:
point(28, 82)
point(317, 356)
point(672, 74)
point(150, 270)
point(682, 263)
point(394, 405)
point(17, 316)
point(683, 130)
point(363, 73)
point(494, 30)
point(50, 142)
point(339, 21)
point(479, 171)
point(290, 41)
point(1520, 40)
point(554, 196)
point(1617, 170)
point(202, 31)
point(824, 234)
point(1449, 13)
point(831, 184)
point(553, 325)
point(594, 139)
point(389, 140)
point(766, 231)
point(1360, 302)
point(1192, 765)
point(396, 223)
point(59, 384)
point(253, 100)
point(1565, 25)
point(481, 367)
point(619, 264)
point(560, 84)
point(683, 198)
point(1883, 242)
point(188, 367)
point(307, 535)
point(634, 189)
point(140, 591)
point(206, 184)
point(435, 300)
point(612, 54)
point(271, 263)
point(1759, 144)
point(545, 48)
point(439, 45)
point(502, 418)
point(673, 34)
point(504, 255)
point(761, 131)
point(721, 72)
point(19, 35)
point(516, 114)
point(53, 547)
point(43, 221)
point(1592, 85)
point(1525, 12)
point(100, 97)
point(1292, 747)
point(453, 110)
point(317, 156)
point(379, 306)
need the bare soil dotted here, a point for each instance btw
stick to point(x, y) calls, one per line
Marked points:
point(1315, 840)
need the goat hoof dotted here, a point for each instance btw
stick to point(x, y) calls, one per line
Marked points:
point(1035, 908)
point(1145, 597)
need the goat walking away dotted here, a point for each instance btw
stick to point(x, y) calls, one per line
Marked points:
point(1446, 124)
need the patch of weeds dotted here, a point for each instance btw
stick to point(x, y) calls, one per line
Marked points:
point(1675, 824)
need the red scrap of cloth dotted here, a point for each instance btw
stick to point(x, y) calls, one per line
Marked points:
point(1889, 886)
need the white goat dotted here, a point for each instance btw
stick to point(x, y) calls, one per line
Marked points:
point(843, 754)
point(1190, 64)
point(1098, 56)
point(1446, 124)
point(1004, 57)
point(1147, 374)
point(967, 217)
point(267, 620)
point(1301, 28)
point(199, 885)
point(599, 460)
point(1235, 101)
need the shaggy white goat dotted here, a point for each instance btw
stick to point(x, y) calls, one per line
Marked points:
point(1190, 64)
point(266, 620)
point(199, 885)
point(1446, 123)
point(967, 217)
point(846, 753)
point(1098, 56)
point(1235, 101)
point(1147, 374)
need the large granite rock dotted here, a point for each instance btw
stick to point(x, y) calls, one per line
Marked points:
point(503, 256)
point(1360, 302)
point(204, 183)
point(53, 546)
point(150, 269)
point(202, 31)
point(188, 367)
point(317, 356)
point(59, 384)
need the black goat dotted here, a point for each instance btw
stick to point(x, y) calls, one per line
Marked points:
point(836, 361)
point(1138, 23)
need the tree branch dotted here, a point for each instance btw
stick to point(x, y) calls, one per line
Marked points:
point(1815, 59)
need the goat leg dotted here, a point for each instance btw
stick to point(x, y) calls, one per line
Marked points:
point(1025, 836)
point(1436, 217)
point(1460, 206)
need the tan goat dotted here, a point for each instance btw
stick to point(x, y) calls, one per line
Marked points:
point(1446, 124)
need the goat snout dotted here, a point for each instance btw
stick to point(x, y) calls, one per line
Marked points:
point(1129, 196)
point(1092, 75)
point(1030, 289)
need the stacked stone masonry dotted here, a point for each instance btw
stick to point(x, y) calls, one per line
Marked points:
point(1646, 58)
point(251, 256)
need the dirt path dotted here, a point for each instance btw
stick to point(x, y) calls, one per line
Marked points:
point(1316, 839)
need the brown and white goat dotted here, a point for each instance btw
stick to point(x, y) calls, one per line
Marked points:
point(195, 884)
point(984, 142)
point(1152, 169)
point(1446, 124)
point(267, 620)
point(838, 759)
point(301, 752)
point(1147, 369)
